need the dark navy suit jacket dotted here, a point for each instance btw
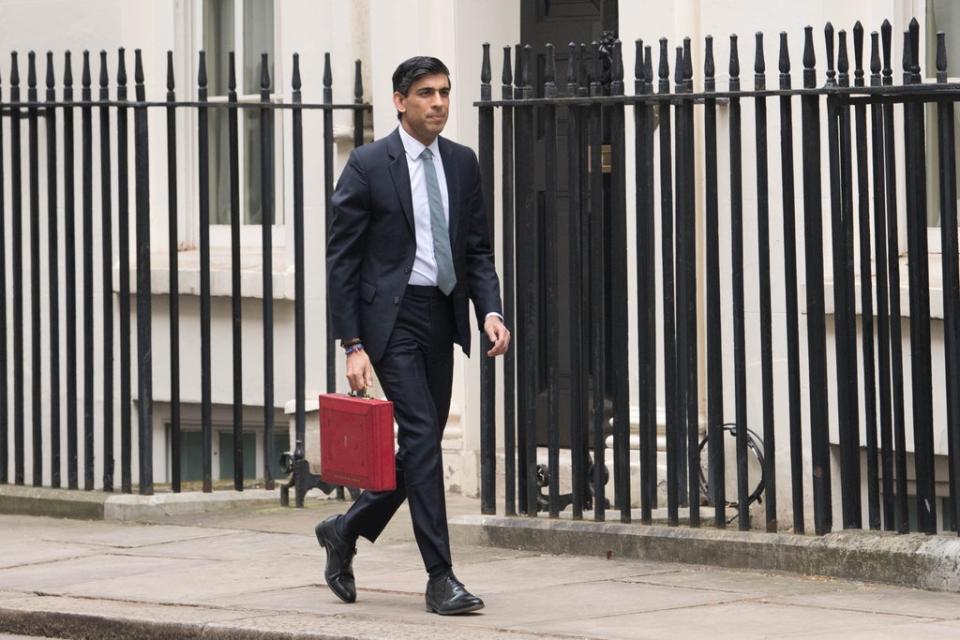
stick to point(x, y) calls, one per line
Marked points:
point(371, 243)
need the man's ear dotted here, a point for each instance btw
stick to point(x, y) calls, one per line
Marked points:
point(398, 101)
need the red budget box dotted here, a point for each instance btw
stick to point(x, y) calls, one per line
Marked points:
point(356, 442)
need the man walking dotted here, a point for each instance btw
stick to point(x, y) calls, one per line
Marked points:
point(407, 246)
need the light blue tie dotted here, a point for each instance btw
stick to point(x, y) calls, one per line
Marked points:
point(446, 276)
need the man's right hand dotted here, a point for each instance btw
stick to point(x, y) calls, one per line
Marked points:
point(359, 370)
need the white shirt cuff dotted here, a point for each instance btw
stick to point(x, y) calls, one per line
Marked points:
point(493, 313)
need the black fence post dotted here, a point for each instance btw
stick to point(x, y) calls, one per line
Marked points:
point(236, 299)
point(300, 337)
point(144, 318)
point(509, 286)
point(53, 260)
point(35, 317)
point(266, 227)
point(123, 251)
point(173, 252)
point(106, 263)
point(4, 399)
point(70, 287)
point(86, 114)
point(488, 408)
point(206, 408)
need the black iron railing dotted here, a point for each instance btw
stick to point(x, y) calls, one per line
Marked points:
point(58, 116)
point(589, 255)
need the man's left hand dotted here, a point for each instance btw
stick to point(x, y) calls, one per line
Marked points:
point(498, 334)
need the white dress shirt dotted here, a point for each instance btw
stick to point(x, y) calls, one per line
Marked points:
point(424, 270)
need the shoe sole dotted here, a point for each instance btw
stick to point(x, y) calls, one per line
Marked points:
point(467, 609)
point(322, 540)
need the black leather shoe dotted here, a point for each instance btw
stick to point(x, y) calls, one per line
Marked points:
point(340, 552)
point(447, 596)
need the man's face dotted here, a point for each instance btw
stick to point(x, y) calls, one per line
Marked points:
point(425, 107)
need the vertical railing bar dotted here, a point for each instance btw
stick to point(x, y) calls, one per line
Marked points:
point(106, 268)
point(123, 251)
point(866, 290)
point(36, 414)
point(920, 365)
point(4, 398)
point(236, 299)
point(16, 215)
point(552, 267)
point(883, 318)
point(791, 288)
point(620, 293)
point(69, 258)
point(53, 280)
point(583, 152)
point(739, 331)
point(669, 303)
point(526, 267)
point(893, 256)
point(144, 317)
point(692, 409)
point(682, 232)
point(597, 265)
point(173, 258)
point(509, 359)
point(488, 433)
point(766, 319)
point(646, 286)
point(816, 329)
point(206, 408)
point(87, 222)
point(715, 449)
point(266, 226)
point(578, 454)
point(951, 286)
point(299, 260)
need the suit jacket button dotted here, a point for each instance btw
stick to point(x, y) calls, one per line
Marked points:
point(396, 299)
point(407, 270)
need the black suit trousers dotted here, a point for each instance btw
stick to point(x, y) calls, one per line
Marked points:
point(416, 373)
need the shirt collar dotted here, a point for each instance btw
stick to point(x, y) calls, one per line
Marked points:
point(414, 147)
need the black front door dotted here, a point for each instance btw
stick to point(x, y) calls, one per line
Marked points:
point(559, 22)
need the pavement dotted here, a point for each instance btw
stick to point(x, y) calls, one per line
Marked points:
point(256, 572)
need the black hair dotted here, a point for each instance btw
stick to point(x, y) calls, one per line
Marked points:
point(412, 69)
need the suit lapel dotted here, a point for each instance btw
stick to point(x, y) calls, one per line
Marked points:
point(401, 177)
point(453, 189)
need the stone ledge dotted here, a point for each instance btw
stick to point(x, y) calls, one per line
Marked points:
point(100, 505)
point(914, 560)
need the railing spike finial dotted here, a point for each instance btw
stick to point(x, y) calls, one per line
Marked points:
point(617, 70)
point(678, 69)
point(809, 58)
point(202, 69)
point(358, 80)
point(638, 60)
point(784, 63)
point(527, 58)
point(31, 69)
point(506, 76)
point(734, 57)
point(67, 70)
point(858, 50)
point(327, 71)
point(85, 71)
point(484, 75)
point(828, 37)
point(121, 67)
point(232, 71)
point(886, 36)
point(941, 57)
point(709, 68)
point(264, 72)
point(517, 68)
point(104, 76)
point(138, 71)
point(595, 78)
point(14, 70)
point(296, 82)
point(759, 63)
point(907, 66)
point(648, 64)
point(874, 53)
point(687, 63)
point(915, 47)
point(171, 85)
point(843, 61)
point(664, 71)
point(50, 80)
point(550, 74)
